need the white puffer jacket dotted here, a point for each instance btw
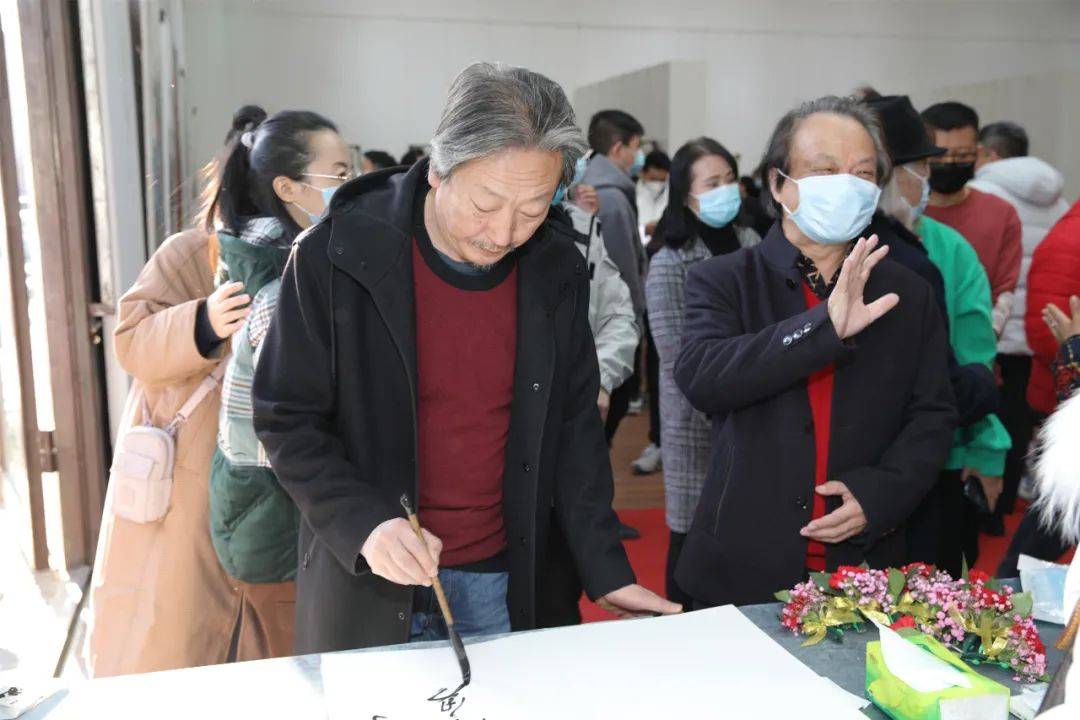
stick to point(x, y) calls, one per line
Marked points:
point(1058, 473)
point(1033, 187)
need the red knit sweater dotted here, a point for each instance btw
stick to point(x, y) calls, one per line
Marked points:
point(466, 335)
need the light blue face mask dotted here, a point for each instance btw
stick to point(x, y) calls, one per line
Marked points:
point(719, 206)
point(639, 162)
point(918, 209)
point(327, 194)
point(833, 209)
point(579, 174)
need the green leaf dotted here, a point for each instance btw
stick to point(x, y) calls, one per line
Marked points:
point(783, 596)
point(994, 584)
point(1022, 603)
point(897, 581)
point(821, 579)
point(964, 569)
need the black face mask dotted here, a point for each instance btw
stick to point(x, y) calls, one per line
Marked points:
point(948, 178)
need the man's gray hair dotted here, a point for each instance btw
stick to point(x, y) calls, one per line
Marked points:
point(493, 107)
point(778, 151)
point(1007, 139)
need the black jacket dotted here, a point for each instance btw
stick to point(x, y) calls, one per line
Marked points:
point(749, 344)
point(335, 407)
point(974, 385)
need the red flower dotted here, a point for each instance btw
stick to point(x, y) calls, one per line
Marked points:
point(978, 576)
point(987, 598)
point(845, 572)
point(921, 568)
point(1030, 636)
point(905, 621)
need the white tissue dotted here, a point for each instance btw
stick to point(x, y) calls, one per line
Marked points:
point(918, 668)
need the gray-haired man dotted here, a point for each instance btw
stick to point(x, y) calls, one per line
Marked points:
point(432, 340)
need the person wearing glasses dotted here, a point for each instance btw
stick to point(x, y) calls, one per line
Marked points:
point(993, 228)
point(276, 181)
point(986, 221)
point(432, 341)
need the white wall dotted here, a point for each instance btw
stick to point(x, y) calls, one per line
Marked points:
point(380, 68)
point(666, 99)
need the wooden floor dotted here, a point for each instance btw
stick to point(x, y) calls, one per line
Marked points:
point(634, 491)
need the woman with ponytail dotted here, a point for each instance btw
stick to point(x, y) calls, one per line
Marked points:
point(275, 181)
point(159, 598)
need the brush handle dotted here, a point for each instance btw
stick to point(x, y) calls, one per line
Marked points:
point(439, 594)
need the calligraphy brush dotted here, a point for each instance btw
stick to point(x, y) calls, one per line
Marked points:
point(444, 606)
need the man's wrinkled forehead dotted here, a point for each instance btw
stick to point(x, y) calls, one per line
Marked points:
point(827, 138)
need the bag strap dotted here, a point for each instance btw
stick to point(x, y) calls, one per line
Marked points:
point(204, 389)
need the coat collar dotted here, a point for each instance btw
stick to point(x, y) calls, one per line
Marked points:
point(779, 252)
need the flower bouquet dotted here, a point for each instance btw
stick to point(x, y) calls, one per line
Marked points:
point(978, 618)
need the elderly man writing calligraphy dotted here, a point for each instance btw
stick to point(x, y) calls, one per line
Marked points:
point(823, 366)
point(433, 340)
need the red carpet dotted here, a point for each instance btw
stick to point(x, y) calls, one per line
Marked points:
point(649, 554)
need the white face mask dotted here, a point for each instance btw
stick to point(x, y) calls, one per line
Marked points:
point(833, 209)
point(919, 208)
point(655, 186)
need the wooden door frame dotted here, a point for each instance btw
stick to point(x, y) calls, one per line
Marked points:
point(61, 195)
point(9, 208)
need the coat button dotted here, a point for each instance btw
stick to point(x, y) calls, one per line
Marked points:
point(791, 284)
point(401, 616)
point(787, 340)
point(339, 250)
point(536, 387)
point(808, 327)
point(526, 467)
point(307, 556)
point(797, 334)
point(523, 541)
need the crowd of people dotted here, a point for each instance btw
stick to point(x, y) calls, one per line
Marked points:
point(845, 355)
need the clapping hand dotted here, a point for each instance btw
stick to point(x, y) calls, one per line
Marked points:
point(1061, 325)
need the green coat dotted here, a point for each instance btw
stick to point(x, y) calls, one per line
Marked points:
point(253, 522)
point(982, 445)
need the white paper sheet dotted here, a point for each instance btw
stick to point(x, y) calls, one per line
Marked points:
point(712, 663)
point(920, 669)
point(855, 702)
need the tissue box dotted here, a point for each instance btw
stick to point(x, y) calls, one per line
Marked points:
point(984, 700)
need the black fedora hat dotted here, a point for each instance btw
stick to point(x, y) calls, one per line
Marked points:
point(905, 133)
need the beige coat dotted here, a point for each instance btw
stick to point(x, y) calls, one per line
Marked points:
point(159, 599)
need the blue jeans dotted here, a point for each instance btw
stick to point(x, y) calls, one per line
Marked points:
point(477, 602)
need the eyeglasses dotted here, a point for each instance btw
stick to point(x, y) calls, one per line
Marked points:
point(966, 156)
point(343, 177)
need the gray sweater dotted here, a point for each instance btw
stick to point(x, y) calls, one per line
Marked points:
point(619, 226)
